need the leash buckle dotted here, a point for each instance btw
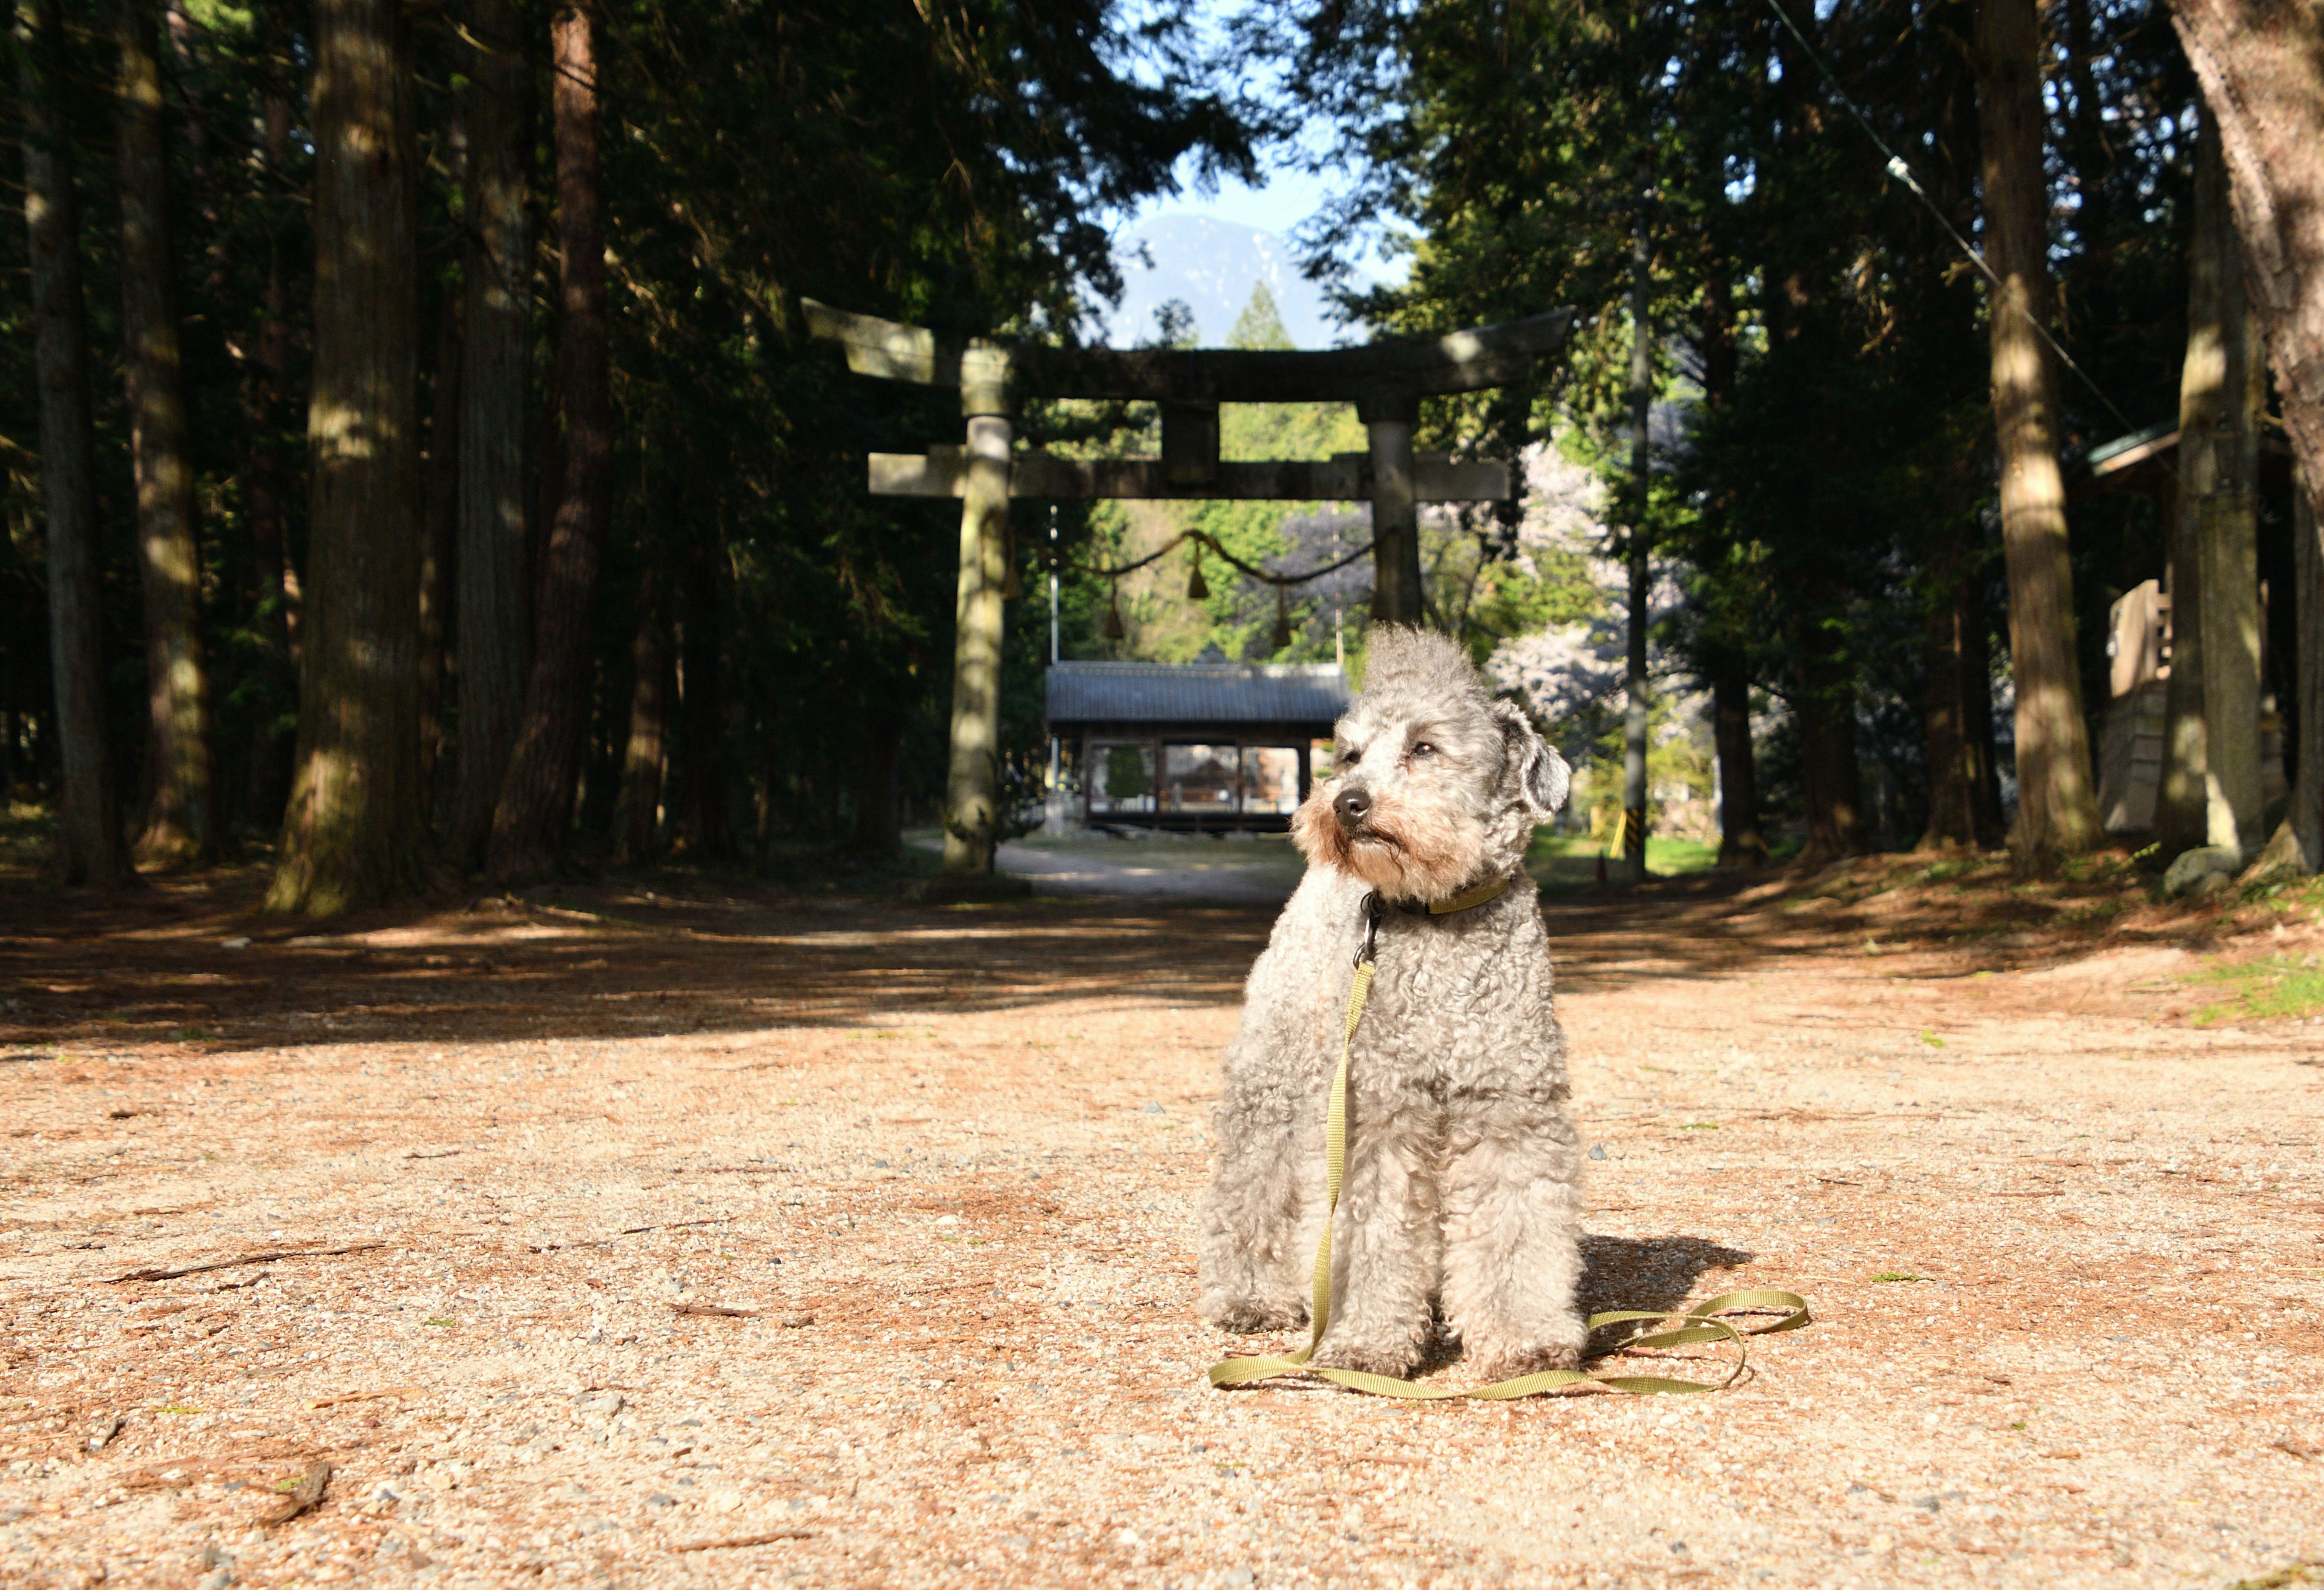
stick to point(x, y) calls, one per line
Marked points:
point(1374, 908)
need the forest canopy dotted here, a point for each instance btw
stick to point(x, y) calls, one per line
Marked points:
point(419, 462)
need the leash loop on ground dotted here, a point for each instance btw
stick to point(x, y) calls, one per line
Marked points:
point(1702, 1321)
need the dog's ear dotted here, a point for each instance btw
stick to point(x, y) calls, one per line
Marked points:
point(1541, 772)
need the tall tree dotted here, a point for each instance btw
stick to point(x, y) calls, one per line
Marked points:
point(182, 820)
point(2261, 63)
point(1636, 701)
point(90, 847)
point(637, 813)
point(355, 834)
point(2057, 808)
point(496, 396)
point(2297, 846)
point(536, 803)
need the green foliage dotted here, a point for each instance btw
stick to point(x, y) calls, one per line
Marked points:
point(2269, 989)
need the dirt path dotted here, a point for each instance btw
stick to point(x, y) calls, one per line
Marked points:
point(2067, 1254)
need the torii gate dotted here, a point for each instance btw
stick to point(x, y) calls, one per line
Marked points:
point(1386, 382)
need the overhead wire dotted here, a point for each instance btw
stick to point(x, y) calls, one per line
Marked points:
point(1903, 172)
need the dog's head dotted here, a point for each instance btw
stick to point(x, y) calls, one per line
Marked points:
point(1436, 784)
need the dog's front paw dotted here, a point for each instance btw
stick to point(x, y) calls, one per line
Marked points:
point(1507, 1362)
point(1396, 1361)
point(1249, 1317)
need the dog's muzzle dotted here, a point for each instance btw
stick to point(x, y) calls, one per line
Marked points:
point(1352, 805)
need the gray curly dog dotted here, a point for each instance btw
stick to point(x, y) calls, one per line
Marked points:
point(1463, 1189)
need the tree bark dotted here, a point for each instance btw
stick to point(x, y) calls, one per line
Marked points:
point(439, 530)
point(2261, 64)
point(2057, 807)
point(877, 831)
point(536, 803)
point(182, 824)
point(1740, 842)
point(353, 833)
point(2297, 847)
point(1728, 670)
point(2218, 474)
point(1828, 776)
point(274, 594)
point(90, 848)
point(2210, 792)
point(1636, 703)
point(1957, 713)
point(637, 815)
point(709, 821)
point(496, 400)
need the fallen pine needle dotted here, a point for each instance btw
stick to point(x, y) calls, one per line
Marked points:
point(731, 1541)
point(718, 1309)
point(366, 1396)
point(269, 1257)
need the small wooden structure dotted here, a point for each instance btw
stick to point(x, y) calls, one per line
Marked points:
point(1385, 381)
point(2240, 742)
point(1196, 748)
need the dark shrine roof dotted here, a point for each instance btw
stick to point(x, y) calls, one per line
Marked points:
point(1196, 692)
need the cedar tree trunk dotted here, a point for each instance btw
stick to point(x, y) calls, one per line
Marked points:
point(496, 401)
point(183, 822)
point(354, 835)
point(709, 822)
point(2261, 63)
point(438, 531)
point(90, 847)
point(636, 816)
point(275, 596)
point(1957, 713)
point(2298, 844)
point(2210, 776)
point(1741, 842)
point(536, 804)
point(1636, 705)
point(2057, 808)
point(1829, 780)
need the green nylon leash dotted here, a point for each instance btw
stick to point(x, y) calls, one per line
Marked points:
point(1701, 1322)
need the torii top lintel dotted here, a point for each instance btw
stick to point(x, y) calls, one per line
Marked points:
point(1385, 380)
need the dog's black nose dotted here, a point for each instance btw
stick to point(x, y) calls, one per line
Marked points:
point(1351, 804)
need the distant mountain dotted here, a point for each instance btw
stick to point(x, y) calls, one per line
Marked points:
point(1210, 266)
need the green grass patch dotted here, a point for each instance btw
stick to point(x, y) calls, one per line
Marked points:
point(2269, 989)
point(436, 1322)
point(1567, 864)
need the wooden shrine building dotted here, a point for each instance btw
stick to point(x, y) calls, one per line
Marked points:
point(1197, 747)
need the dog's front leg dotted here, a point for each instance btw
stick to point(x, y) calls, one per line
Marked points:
point(1384, 1243)
point(1258, 1238)
point(1512, 1237)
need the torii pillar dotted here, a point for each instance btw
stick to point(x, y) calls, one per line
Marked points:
point(1385, 381)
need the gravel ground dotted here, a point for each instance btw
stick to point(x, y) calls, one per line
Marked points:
point(726, 1237)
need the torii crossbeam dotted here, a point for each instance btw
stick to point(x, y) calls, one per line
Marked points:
point(1386, 382)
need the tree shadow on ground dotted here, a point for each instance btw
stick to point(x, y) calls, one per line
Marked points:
point(191, 959)
point(1618, 1272)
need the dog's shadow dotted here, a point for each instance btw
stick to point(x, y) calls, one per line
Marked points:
point(1655, 1272)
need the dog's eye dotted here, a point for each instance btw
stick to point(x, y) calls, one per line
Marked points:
point(1420, 748)
point(1351, 756)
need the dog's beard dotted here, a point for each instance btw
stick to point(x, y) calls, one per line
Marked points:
point(1406, 852)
